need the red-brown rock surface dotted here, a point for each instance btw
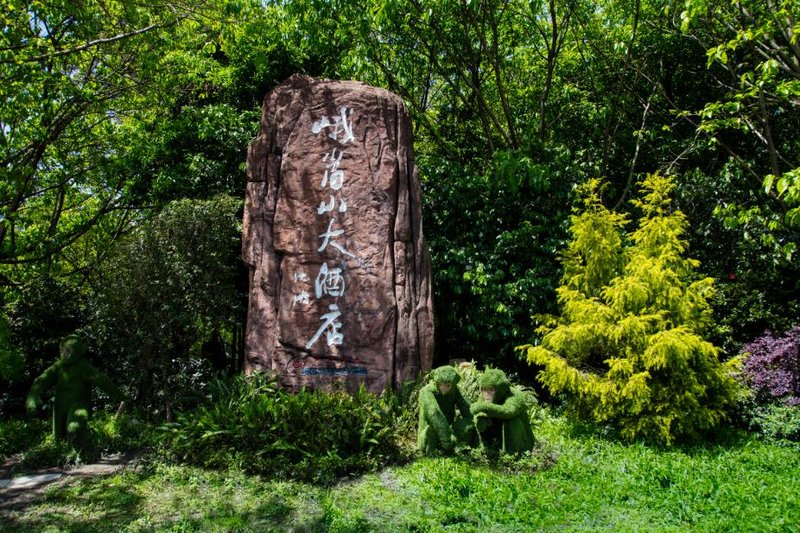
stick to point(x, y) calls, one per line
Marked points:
point(339, 269)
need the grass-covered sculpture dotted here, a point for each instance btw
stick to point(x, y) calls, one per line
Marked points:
point(501, 418)
point(439, 429)
point(72, 376)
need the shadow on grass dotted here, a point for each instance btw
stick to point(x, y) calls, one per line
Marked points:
point(89, 504)
point(116, 502)
point(269, 515)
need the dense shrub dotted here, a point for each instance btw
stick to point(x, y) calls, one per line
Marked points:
point(628, 349)
point(121, 432)
point(109, 433)
point(251, 424)
point(51, 452)
point(33, 443)
point(776, 421)
point(770, 375)
point(493, 227)
point(17, 435)
point(772, 367)
point(168, 289)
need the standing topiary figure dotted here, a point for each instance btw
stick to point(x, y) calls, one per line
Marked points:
point(628, 348)
point(501, 418)
point(73, 377)
point(439, 430)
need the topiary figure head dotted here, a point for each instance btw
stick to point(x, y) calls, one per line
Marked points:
point(495, 386)
point(445, 378)
point(72, 349)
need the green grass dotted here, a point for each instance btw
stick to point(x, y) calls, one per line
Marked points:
point(575, 482)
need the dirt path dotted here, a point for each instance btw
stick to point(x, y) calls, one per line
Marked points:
point(21, 489)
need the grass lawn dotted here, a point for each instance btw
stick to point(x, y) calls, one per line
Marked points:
point(575, 482)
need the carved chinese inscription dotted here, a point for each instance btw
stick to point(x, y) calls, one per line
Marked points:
point(339, 270)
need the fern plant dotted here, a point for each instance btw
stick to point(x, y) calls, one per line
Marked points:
point(629, 348)
point(252, 424)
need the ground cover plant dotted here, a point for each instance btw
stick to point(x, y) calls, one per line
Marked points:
point(577, 479)
point(30, 444)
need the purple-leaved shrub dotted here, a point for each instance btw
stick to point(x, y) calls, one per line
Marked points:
point(772, 368)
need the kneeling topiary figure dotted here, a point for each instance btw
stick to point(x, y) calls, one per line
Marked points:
point(73, 377)
point(501, 418)
point(439, 430)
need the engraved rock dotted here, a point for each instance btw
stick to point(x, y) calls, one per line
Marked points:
point(339, 269)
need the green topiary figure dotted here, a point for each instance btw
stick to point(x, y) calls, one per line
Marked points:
point(501, 418)
point(73, 377)
point(439, 430)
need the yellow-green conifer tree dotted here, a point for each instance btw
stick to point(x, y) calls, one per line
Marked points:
point(629, 348)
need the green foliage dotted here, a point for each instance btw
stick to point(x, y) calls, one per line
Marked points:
point(628, 349)
point(777, 421)
point(75, 73)
point(121, 432)
point(186, 157)
point(169, 287)
point(594, 255)
point(251, 424)
point(493, 246)
point(11, 358)
point(756, 282)
point(755, 42)
point(469, 380)
point(32, 440)
point(35, 446)
point(18, 435)
point(52, 452)
point(750, 120)
point(37, 324)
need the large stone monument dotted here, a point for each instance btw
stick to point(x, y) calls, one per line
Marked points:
point(339, 269)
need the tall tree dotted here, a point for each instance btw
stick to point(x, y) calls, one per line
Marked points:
point(747, 128)
point(72, 70)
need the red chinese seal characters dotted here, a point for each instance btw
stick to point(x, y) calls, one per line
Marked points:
point(339, 269)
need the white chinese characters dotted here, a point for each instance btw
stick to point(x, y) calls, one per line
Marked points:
point(330, 281)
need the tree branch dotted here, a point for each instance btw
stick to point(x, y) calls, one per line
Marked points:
point(86, 46)
point(639, 136)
